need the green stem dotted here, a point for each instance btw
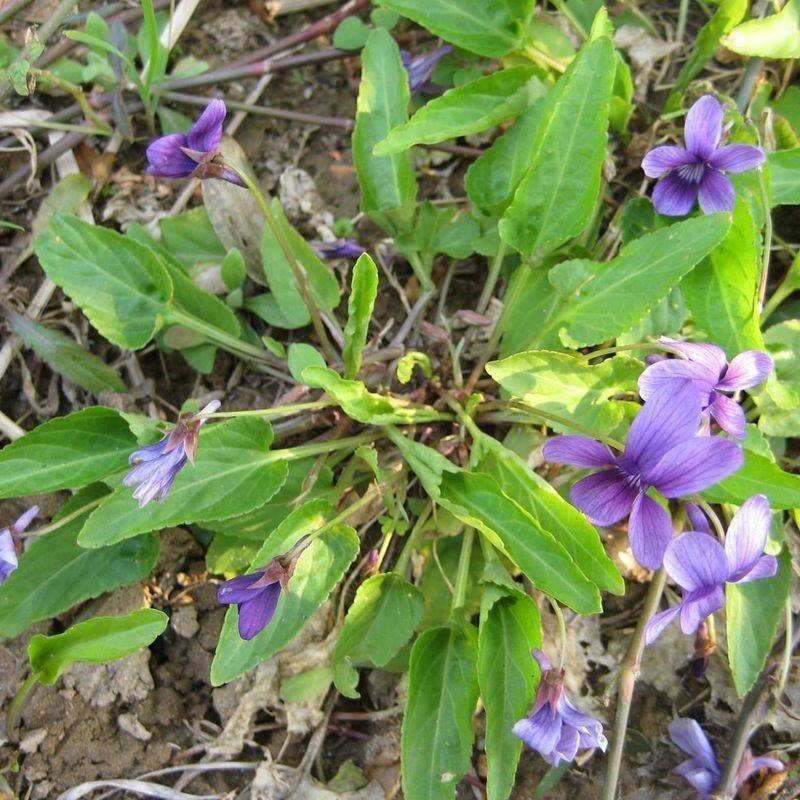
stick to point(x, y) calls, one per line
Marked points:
point(318, 448)
point(564, 9)
point(64, 520)
point(562, 631)
point(491, 279)
point(301, 279)
point(51, 80)
point(12, 715)
point(767, 249)
point(276, 412)
point(462, 574)
point(404, 558)
point(620, 348)
point(420, 270)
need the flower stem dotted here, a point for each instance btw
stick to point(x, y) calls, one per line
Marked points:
point(462, 574)
point(767, 246)
point(14, 709)
point(64, 520)
point(620, 348)
point(562, 631)
point(276, 412)
point(319, 448)
point(401, 566)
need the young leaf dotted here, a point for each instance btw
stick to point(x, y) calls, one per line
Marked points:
point(474, 107)
point(753, 612)
point(510, 627)
point(381, 620)
point(486, 27)
point(318, 570)
point(777, 36)
point(55, 574)
point(478, 500)
point(363, 291)
point(120, 285)
point(66, 452)
point(234, 472)
point(96, 640)
point(66, 356)
point(302, 355)
point(437, 727)
point(557, 196)
point(784, 184)
point(757, 475)
point(388, 184)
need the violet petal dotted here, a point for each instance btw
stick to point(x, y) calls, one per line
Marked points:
point(699, 604)
point(674, 196)
point(659, 622)
point(605, 497)
point(703, 127)
point(256, 613)
point(696, 560)
point(729, 415)
point(716, 192)
point(578, 451)
point(737, 157)
point(746, 370)
point(709, 355)
point(206, 133)
point(747, 536)
point(676, 369)
point(649, 531)
point(666, 158)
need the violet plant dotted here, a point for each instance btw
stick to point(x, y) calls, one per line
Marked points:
point(436, 467)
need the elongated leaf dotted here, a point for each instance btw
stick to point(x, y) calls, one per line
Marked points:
point(96, 640)
point(566, 385)
point(486, 27)
point(554, 514)
point(388, 184)
point(381, 620)
point(66, 452)
point(55, 574)
point(757, 475)
point(362, 405)
point(363, 291)
point(318, 570)
point(437, 727)
point(753, 611)
point(546, 562)
point(784, 168)
point(191, 239)
point(579, 310)
point(234, 472)
point(470, 108)
point(557, 196)
point(120, 285)
point(722, 291)
point(66, 356)
point(507, 674)
point(777, 36)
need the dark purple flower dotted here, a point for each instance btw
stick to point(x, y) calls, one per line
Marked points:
point(700, 565)
point(702, 769)
point(421, 67)
point(257, 593)
point(555, 728)
point(341, 248)
point(663, 451)
point(9, 558)
point(697, 172)
point(156, 465)
point(195, 154)
point(706, 366)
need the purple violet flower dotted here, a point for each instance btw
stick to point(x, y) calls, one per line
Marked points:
point(341, 248)
point(702, 769)
point(555, 728)
point(257, 593)
point(421, 67)
point(697, 172)
point(9, 558)
point(156, 465)
point(663, 451)
point(707, 367)
point(195, 154)
point(701, 566)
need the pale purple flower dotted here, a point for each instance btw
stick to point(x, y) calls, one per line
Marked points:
point(701, 566)
point(555, 728)
point(9, 558)
point(701, 769)
point(421, 67)
point(663, 451)
point(707, 367)
point(341, 248)
point(195, 154)
point(697, 172)
point(156, 465)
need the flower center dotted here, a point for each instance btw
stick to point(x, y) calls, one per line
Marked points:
point(692, 172)
point(628, 472)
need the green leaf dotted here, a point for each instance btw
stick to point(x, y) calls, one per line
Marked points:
point(233, 269)
point(66, 196)
point(318, 570)
point(474, 107)
point(384, 615)
point(554, 514)
point(784, 184)
point(191, 239)
point(437, 730)
point(96, 640)
point(388, 185)
point(507, 675)
point(302, 355)
point(66, 452)
point(567, 385)
point(306, 685)
point(779, 405)
point(65, 356)
point(55, 574)
point(364, 406)
point(363, 291)
point(753, 611)
point(757, 475)
point(486, 27)
point(557, 196)
point(631, 284)
point(777, 36)
point(351, 34)
point(120, 285)
point(234, 472)
point(546, 562)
